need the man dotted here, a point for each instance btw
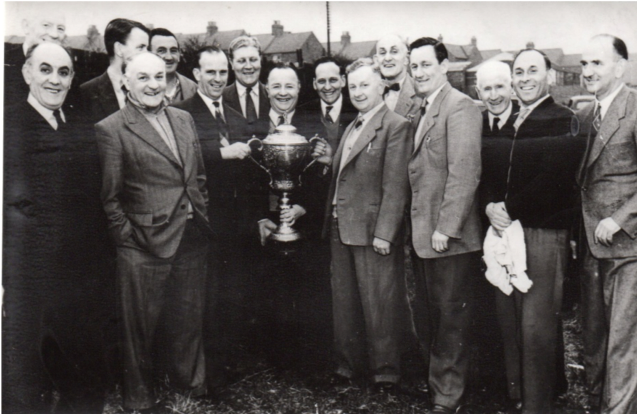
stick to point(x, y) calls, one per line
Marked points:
point(104, 95)
point(331, 113)
point(392, 55)
point(238, 192)
point(538, 193)
point(165, 45)
point(155, 199)
point(366, 202)
point(608, 178)
point(444, 171)
point(247, 95)
point(37, 29)
point(55, 253)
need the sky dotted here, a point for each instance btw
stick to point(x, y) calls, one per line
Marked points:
point(496, 25)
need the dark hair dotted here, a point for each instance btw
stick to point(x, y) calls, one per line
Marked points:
point(205, 49)
point(439, 47)
point(547, 61)
point(327, 59)
point(160, 31)
point(285, 65)
point(32, 48)
point(117, 30)
point(618, 45)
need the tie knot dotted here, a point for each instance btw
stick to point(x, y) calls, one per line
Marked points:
point(216, 104)
point(249, 90)
point(281, 120)
point(358, 123)
point(423, 109)
point(328, 108)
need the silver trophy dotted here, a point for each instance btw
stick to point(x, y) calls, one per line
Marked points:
point(285, 155)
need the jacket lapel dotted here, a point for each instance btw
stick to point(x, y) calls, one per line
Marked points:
point(108, 98)
point(406, 97)
point(367, 134)
point(339, 151)
point(430, 117)
point(610, 124)
point(137, 123)
point(180, 131)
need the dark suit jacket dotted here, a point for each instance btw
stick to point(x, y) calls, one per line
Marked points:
point(98, 98)
point(259, 128)
point(608, 178)
point(541, 186)
point(372, 185)
point(145, 189)
point(310, 113)
point(237, 188)
point(444, 172)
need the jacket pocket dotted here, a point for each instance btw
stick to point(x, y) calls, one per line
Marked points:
point(141, 219)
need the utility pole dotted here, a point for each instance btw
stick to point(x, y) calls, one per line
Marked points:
point(329, 52)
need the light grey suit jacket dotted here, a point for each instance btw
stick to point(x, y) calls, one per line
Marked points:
point(444, 173)
point(145, 188)
point(408, 102)
point(608, 178)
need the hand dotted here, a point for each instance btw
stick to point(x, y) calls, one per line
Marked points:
point(236, 151)
point(322, 152)
point(498, 216)
point(440, 242)
point(605, 231)
point(266, 226)
point(292, 214)
point(382, 247)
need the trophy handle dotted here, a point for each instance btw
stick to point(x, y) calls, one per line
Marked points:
point(312, 140)
point(259, 148)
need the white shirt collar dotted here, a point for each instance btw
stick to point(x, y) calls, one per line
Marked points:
point(534, 105)
point(369, 114)
point(336, 107)
point(504, 116)
point(209, 102)
point(274, 117)
point(242, 89)
point(607, 101)
point(434, 94)
point(46, 113)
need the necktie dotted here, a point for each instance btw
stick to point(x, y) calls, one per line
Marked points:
point(597, 118)
point(521, 117)
point(358, 123)
point(58, 119)
point(281, 120)
point(218, 114)
point(251, 112)
point(423, 109)
point(328, 117)
point(394, 87)
point(495, 128)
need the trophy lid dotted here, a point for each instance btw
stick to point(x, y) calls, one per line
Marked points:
point(285, 134)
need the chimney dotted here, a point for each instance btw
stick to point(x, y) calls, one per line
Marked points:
point(150, 26)
point(277, 28)
point(530, 45)
point(440, 38)
point(92, 32)
point(211, 29)
point(346, 39)
point(474, 41)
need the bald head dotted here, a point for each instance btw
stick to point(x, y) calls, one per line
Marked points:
point(49, 28)
point(494, 86)
point(493, 69)
point(49, 72)
point(392, 56)
point(603, 65)
point(145, 79)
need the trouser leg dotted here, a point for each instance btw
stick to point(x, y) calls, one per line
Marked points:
point(507, 313)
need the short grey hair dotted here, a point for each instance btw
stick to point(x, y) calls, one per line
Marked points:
point(362, 62)
point(493, 66)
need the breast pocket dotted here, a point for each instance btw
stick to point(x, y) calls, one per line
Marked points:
point(622, 157)
point(436, 150)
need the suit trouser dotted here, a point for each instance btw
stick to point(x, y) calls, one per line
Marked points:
point(367, 290)
point(148, 285)
point(609, 311)
point(533, 319)
point(446, 284)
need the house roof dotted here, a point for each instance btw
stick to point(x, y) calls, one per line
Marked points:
point(571, 60)
point(288, 42)
point(458, 66)
point(335, 47)
point(488, 54)
point(83, 42)
point(357, 50)
point(221, 39)
point(264, 40)
point(457, 51)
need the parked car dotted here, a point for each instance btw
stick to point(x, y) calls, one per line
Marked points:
point(579, 101)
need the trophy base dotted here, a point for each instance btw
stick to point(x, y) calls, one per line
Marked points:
point(285, 235)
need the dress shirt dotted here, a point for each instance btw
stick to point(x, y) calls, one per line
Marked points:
point(351, 140)
point(607, 101)
point(504, 117)
point(46, 113)
point(335, 112)
point(391, 98)
point(427, 103)
point(176, 92)
point(242, 97)
point(274, 117)
point(117, 80)
point(210, 105)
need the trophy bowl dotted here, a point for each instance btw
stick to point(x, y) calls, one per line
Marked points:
point(284, 158)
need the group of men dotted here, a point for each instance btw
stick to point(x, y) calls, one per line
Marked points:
point(406, 159)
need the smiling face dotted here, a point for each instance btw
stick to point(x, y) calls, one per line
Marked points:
point(495, 91)
point(49, 73)
point(212, 74)
point(365, 88)
point(145, 79)
point(530, 77)
point(602, 67)
point(428, 73)
point(136, 43)
point(51, 28)
point(246, 63)
point(166, 47)
point(392, 56)
point(329, 82)
point(283, 89)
